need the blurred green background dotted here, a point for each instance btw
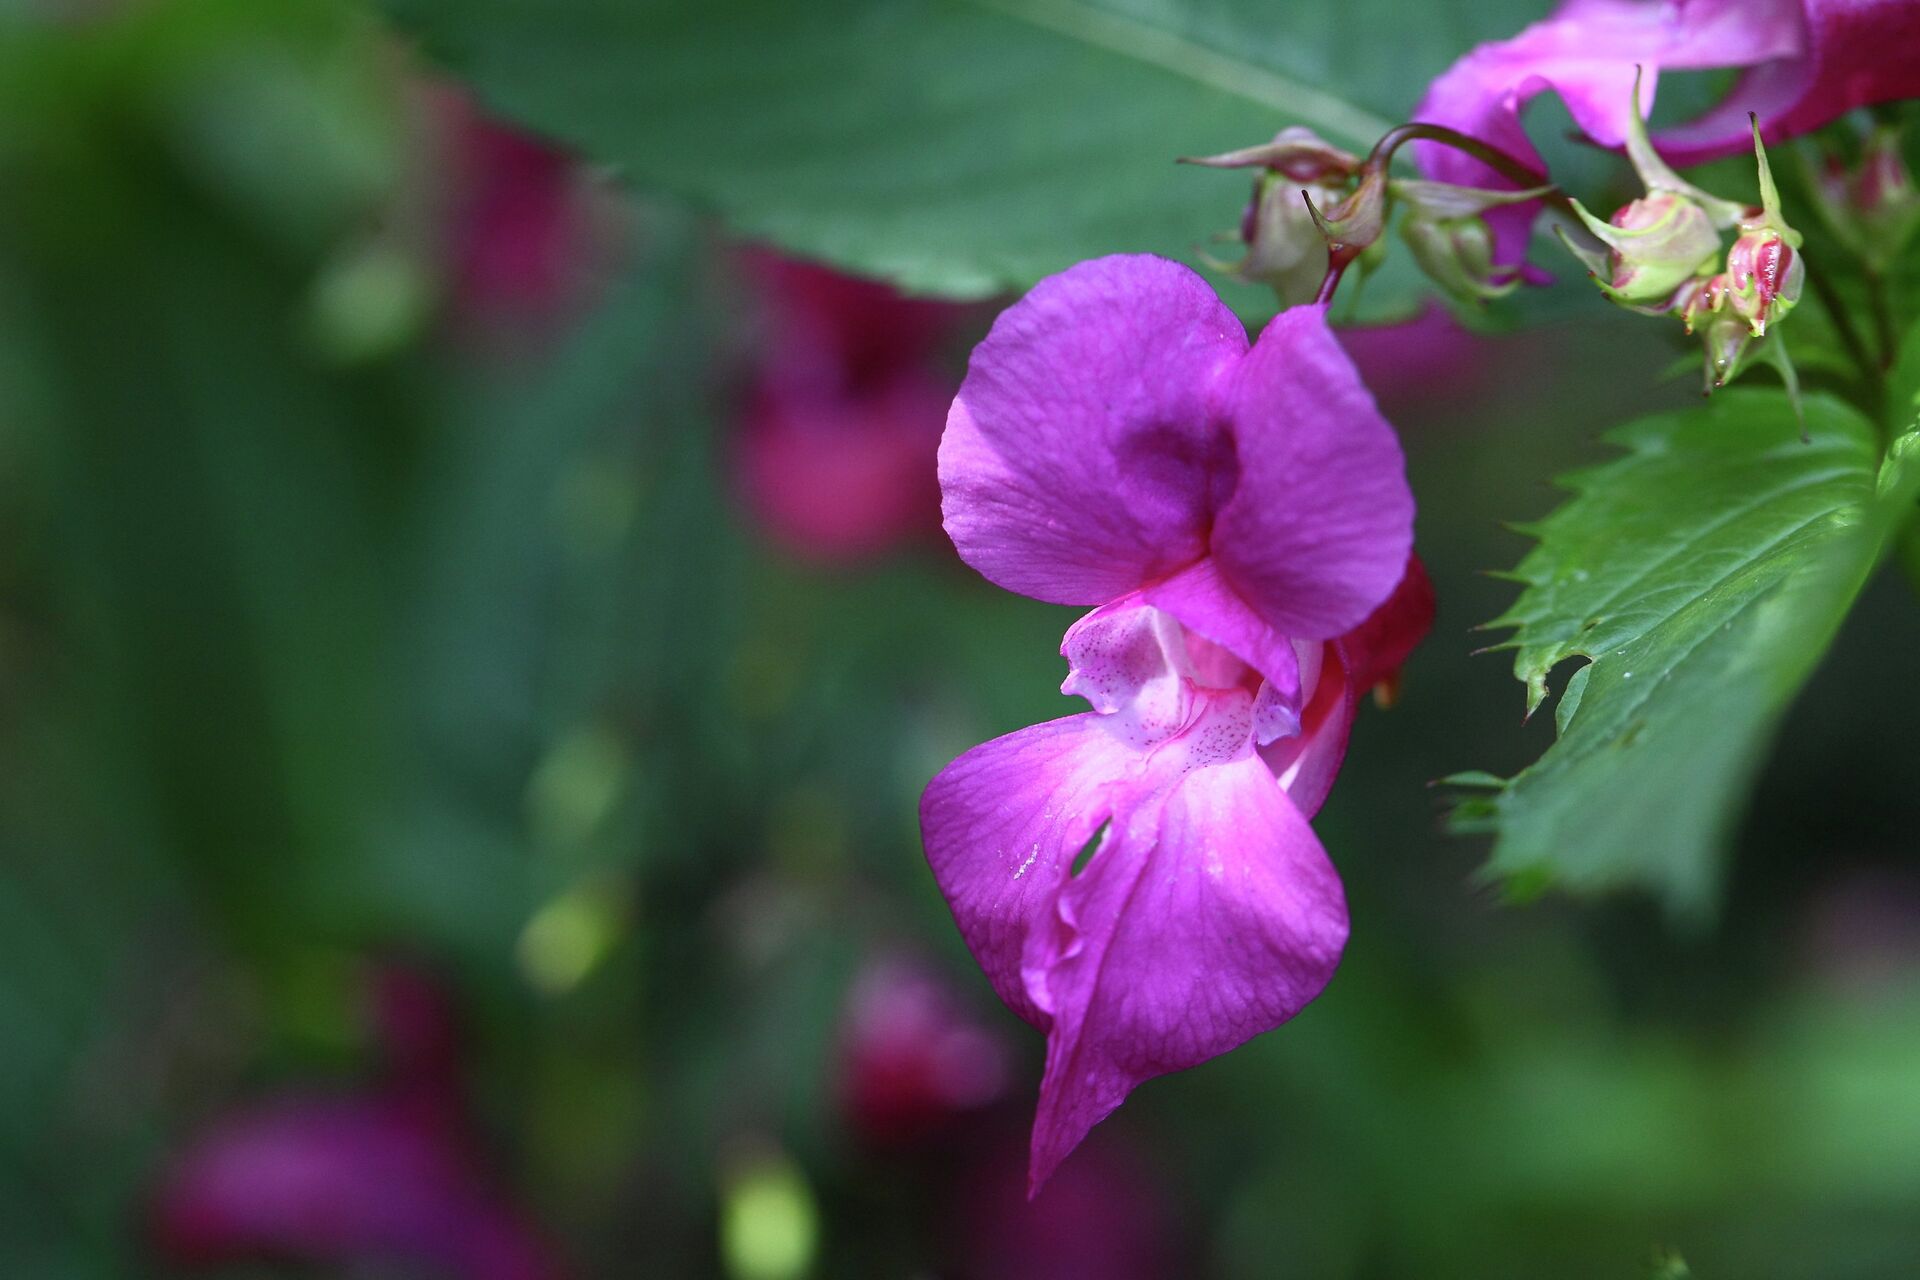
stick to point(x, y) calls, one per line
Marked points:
point(379, 592)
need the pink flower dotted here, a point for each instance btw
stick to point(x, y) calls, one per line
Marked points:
point(387, 1174)
point(842, 420)
point(1104, 1217)
point(336, 1179)
point(1237, 514)
point(912, 1057)
point(1807, 62)
point(1430, 358)
point(520, 235)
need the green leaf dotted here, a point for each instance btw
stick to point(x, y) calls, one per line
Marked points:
point(963, 147)
point(1701, 576)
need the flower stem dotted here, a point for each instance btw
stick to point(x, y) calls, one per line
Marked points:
point(1514, 171)
point(1849, 335)
point(1374, 171)
point(1907, 549)
point(1882, 318)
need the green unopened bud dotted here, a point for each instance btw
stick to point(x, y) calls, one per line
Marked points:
point(1446, 229)
point(1727, 338)
point(1457, 255)
point(1659, 243)
point(1709, 307)
point(1286, 250)
point(1657, 176)
point(1654, 246)
point(1704, 306)
point(1764, 272)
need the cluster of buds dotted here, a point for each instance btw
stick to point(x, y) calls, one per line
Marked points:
point(1299, 173)
point(1871, 206)
point(1316, 210)
point(1663, 257)
point(1731, 309)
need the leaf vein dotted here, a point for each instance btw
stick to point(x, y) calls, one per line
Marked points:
point(1155, 46)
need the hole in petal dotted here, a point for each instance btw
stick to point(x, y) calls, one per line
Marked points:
point(1082, 858)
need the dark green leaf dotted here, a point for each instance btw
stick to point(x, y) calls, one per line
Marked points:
point(964, 147)
point(1701, 576)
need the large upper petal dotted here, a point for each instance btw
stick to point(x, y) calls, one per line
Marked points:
point(1318, 529)
point(1209, 914)
point(1083, 454)
point(1588, 52)
point(1003, 824)
point(1855, 53)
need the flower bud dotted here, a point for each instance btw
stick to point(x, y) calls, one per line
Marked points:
point(1446, 228)
point(1285, 248)
point(1655, 245)
point(1764, 277)
point(1873, 207)
point(1764, 271)
point(1663, 240)
point(1727, 338)
point(1457, 255)
point(1353, 226)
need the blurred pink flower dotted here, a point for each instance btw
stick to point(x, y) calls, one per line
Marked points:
point(841, 421)
point(518, 223)
point(1102, 1217)
point(387, 1174)
point(1431, 356)
point(913, 1059)
point(1806, 62)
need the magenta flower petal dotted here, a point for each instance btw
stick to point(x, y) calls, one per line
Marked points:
point(1208, 915)
point(1319, 528)
point(1852, 53)
point(1002, 826)
point(1375, 650)
point(1083, 451)
point(1587, 52)
point(1307, 763)
point(1368, 656)
point(1130, 662)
